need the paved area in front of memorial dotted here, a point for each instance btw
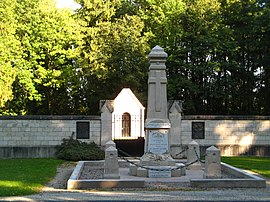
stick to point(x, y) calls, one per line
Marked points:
point(156, 190)
point(141, 195)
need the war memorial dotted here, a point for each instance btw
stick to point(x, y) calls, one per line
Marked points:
point(157, 164)
point(174, 144)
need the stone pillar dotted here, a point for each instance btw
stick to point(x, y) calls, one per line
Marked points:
point(106, 123)
point(175, 141)
point(193, 153)
point(111, 166)
point(157, 123)
point(157, 86)
point(212, 163)
point(157, 150)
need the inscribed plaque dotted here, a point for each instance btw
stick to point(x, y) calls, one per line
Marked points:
point(197, 130)
point(82, 130)
point(158, 141)
point(164, 172)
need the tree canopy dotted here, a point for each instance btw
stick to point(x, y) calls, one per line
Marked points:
point(59, 61)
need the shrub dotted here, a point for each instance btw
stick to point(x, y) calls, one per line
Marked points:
point(75, 150)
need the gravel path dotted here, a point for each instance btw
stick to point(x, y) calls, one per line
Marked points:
point(55, 191)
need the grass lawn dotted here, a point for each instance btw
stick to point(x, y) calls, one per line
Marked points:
point(260, 165)
point(28, 176)
point(25, 176)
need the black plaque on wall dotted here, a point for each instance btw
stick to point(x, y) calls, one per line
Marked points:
point(82, 130)
point(198, 130)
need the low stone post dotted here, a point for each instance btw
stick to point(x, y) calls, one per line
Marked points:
point(212, 163)
point(193, 153)
point(111, 166)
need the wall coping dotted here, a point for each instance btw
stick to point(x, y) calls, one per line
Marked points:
point(89, 117)
point(51, 117)
point(224, 117)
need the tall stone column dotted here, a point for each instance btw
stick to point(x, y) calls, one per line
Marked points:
point(157, 125)
point(157, 161)
point(157, 108)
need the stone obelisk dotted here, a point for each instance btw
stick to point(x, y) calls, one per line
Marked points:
point(156, 161)
point(157, 125)
point(157, 109)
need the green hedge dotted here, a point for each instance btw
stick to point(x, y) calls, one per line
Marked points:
point(75, 150)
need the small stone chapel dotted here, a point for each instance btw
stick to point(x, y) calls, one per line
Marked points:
point(127, 115)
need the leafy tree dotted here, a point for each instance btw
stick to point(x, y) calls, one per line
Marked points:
point(61, 62)
point(48, 37)
point(186, 29)
point(114, 51)
point(9, 49)
point(216, 53)
point(241, 18)
point(263, 53)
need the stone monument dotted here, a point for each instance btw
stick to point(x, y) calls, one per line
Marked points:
point(157, 161)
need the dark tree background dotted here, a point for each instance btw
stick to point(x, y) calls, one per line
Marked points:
point(57, 61)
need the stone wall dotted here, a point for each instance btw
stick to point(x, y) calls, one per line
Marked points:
point(233, 135)
point(37, 136)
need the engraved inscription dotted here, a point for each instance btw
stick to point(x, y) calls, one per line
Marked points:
point(160, 173)
point(158, 141)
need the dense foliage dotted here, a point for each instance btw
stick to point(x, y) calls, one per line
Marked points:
point(76, 150)
point(58, 61)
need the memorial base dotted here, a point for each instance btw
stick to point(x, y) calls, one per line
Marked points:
point(158, 171)
point(149, 159)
